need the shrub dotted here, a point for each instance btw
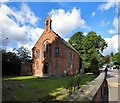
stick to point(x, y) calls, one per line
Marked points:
point(70, 85)
point(78, 80)
point(73, 83)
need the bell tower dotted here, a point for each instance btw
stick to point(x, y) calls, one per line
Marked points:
point(47, 24)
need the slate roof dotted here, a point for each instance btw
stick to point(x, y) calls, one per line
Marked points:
point(66, 43)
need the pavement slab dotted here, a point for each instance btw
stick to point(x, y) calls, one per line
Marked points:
point(113, 85)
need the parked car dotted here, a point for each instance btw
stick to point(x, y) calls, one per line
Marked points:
point(116, 67)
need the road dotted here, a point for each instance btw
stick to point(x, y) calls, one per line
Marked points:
point(114, 85)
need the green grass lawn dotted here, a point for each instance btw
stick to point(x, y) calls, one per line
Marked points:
point(36, 89)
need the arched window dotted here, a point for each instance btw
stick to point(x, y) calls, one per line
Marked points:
point(57, 52)
point(37, 53)
point(47, 23)
point(47, 49)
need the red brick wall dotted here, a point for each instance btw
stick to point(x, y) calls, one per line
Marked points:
point(55, 41)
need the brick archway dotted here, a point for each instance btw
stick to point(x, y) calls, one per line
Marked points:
point(46, 68)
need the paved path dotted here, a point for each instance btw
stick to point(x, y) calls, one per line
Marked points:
point(113, 85)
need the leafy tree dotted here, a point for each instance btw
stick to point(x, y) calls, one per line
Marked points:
point(76, 41)
point(116, 58)
point(24, 54)
point(92, 40)
point(11, 63)
point(106, 59)
point(89, 47)
point(10, 57)
point(92, 46)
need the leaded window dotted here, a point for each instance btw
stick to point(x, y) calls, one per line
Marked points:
point(45, 49)
point(57, 52)
point(37, 53)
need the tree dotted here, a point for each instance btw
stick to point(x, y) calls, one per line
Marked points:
point(89, 47)
point(92, 40)
point(106, 59)
point(92, 46)
point(116, 58)
point(76, 41)
point(24, 54)
point(11, 63)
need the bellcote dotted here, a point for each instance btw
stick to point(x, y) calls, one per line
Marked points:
point(47, 24)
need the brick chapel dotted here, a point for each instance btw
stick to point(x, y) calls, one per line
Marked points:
point(52, 55)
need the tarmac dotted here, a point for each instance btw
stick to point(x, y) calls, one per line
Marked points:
point(113, 80)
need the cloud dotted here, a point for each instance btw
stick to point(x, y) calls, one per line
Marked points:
point(108, 5)
point(66, 39)
point(25, 15)
point(18, 26)
point(112, 45)
point(85, 33)
point(93, 14)
point(111, 31)
point(35, 33)
point(64, 22)
point(22, 16)
point(3, 1)
point(103, 23)
point(10, 49)
point(115, 26)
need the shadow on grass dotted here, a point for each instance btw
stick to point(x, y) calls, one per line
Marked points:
point(36, 89)
point(50, 97)
point(32, 88)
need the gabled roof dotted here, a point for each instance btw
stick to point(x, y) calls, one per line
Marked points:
point(66, 43)
point(61, 39)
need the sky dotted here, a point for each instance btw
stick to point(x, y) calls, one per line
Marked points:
point(22, 23)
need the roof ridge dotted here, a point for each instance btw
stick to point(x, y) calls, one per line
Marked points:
point(66, 43)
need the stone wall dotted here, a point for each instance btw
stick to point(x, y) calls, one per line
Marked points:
point(95, 91)
point(26, 68)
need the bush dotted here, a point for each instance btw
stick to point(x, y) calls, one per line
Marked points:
point(70, 85)
point(78, 80)
point(73, 83)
